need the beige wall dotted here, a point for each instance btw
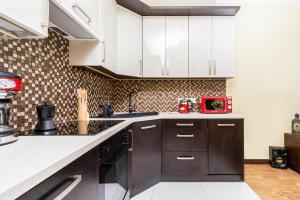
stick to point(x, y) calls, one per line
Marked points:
point(267, 87)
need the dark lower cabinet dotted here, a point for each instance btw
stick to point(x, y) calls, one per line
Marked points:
point(145, 155)
point(184, 166)
point(226, 147)
point(78, 181)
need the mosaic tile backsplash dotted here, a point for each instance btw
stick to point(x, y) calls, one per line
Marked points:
point(47, 76)
point(162, 95)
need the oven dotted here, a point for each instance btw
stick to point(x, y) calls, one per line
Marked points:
point(113, 168)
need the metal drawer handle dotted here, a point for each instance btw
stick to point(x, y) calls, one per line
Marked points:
point(182, 124)
point(148, 127)
point(185, 158)
point(75, 5)
point(226, 125)
point(70, 188)
point(185, 136)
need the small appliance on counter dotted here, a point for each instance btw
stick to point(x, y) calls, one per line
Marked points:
point(45, 124)
point(107, 110)
point(296, 124)
point(185, 106)
point(278, 157)
point(9, 85)
point(216, 105)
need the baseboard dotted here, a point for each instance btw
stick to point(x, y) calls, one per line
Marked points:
point(256, 161)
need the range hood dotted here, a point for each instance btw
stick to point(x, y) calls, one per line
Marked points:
point(66, 22)
point(10, 30)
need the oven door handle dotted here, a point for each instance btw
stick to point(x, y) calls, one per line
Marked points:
point(130, 149)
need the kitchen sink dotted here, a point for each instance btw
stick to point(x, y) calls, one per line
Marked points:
point(134, 114)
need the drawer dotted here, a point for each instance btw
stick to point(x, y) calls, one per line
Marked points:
point(185, 140)
point(184, 124)
point(185, 165)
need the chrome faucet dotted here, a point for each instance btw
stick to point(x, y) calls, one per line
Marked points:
point(131, 109)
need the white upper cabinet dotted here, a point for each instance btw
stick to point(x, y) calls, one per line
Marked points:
point(211, 47)
point(200, 58)
point(98, 53)
point(30, 17)
point(88, 11)
point(109, 11)
point(177, 47)
point(129, 42)
point(223, 46)
point(154, 46)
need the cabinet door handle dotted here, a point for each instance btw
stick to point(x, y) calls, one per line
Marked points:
point(148, 127)
point(183, 124)
point(141, 67)
point(167, 68)
point(226, 125)
point(104, 51)
point(75, 180)
point(185, 158)
point(185, 136)
point(215, 67)
point(131, 142)
point(162, 71)
point(76, 7)
point(209, 67)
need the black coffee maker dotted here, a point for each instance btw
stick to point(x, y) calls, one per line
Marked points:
point(45, 124)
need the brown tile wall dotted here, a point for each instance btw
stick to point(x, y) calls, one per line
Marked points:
point(43, 65)
point(162, 95)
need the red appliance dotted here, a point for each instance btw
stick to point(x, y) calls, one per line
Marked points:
point(10, 82)
point(216, 105)
point(185, 106)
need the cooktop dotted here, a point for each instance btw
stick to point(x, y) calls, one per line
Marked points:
point(80, 128)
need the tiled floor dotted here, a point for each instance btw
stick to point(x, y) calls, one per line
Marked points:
point(198, 191)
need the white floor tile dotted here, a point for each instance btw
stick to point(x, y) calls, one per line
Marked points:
point(146, 195)
point(228, 191)
point(178, 191)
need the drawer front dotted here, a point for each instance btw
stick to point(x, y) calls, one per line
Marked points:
point(184, 124)
point(188, 165)
point(185, 140)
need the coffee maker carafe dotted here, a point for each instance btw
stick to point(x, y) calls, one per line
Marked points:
point(9, 85)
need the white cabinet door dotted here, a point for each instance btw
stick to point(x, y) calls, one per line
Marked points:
point(129, 42)
point(154, 46)
point(31, 15)
point(98, 53)
point(200, 41)
point(88, 11)
point(223, 46)
point(177, 64)
point(109, 11)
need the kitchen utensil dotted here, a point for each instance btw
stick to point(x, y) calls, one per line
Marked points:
point(9, 85)
point(107, 110)
point(183, 106)
point(82, 105)
point(46, 113)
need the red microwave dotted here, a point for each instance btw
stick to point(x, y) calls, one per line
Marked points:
point(216, 105)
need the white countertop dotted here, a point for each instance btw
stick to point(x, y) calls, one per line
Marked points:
point(32, 159)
